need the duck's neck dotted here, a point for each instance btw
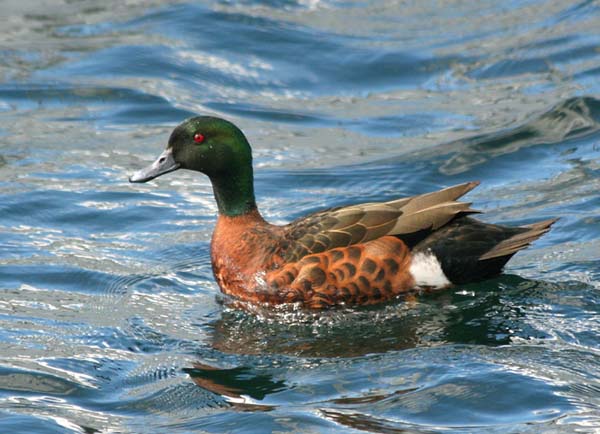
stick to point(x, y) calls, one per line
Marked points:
point(234, 192)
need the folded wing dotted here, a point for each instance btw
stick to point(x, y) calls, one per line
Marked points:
point(405, 218)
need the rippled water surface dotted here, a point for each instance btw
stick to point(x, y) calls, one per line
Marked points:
point(110, 320)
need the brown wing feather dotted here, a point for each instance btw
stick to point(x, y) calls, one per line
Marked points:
point(342, 227)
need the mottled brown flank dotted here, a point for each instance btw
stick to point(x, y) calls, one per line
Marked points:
point(364, 273)
point(391, 265)
point(368, 266)
point(336, 255)
point(353, 280)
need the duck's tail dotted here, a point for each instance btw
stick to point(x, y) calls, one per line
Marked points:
point(512, 245)
point(469, 250)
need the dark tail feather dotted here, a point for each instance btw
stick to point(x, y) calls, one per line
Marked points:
point(512, 245)
point(470, 250)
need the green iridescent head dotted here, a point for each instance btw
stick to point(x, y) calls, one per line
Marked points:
point(217, 148)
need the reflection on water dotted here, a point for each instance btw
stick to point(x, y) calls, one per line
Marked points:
point(491, 313)
point(479, 314)
point(110, 319)
point(240, 386)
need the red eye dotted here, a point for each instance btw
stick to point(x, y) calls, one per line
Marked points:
point(198, 138)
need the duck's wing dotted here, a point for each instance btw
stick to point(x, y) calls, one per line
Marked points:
point(409, 218)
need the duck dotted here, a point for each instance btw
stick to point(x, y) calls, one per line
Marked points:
point(354, 255)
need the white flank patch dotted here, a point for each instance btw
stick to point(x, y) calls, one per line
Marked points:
point(427, 271)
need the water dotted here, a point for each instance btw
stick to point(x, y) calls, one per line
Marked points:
point(110, 320)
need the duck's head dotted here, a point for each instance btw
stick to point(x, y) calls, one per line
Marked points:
point(210, 145)
point(215, 147)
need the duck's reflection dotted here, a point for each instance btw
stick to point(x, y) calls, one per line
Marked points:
point(241, 387)
point(481, 315)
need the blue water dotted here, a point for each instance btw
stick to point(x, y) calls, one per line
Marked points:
point(110, 319)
